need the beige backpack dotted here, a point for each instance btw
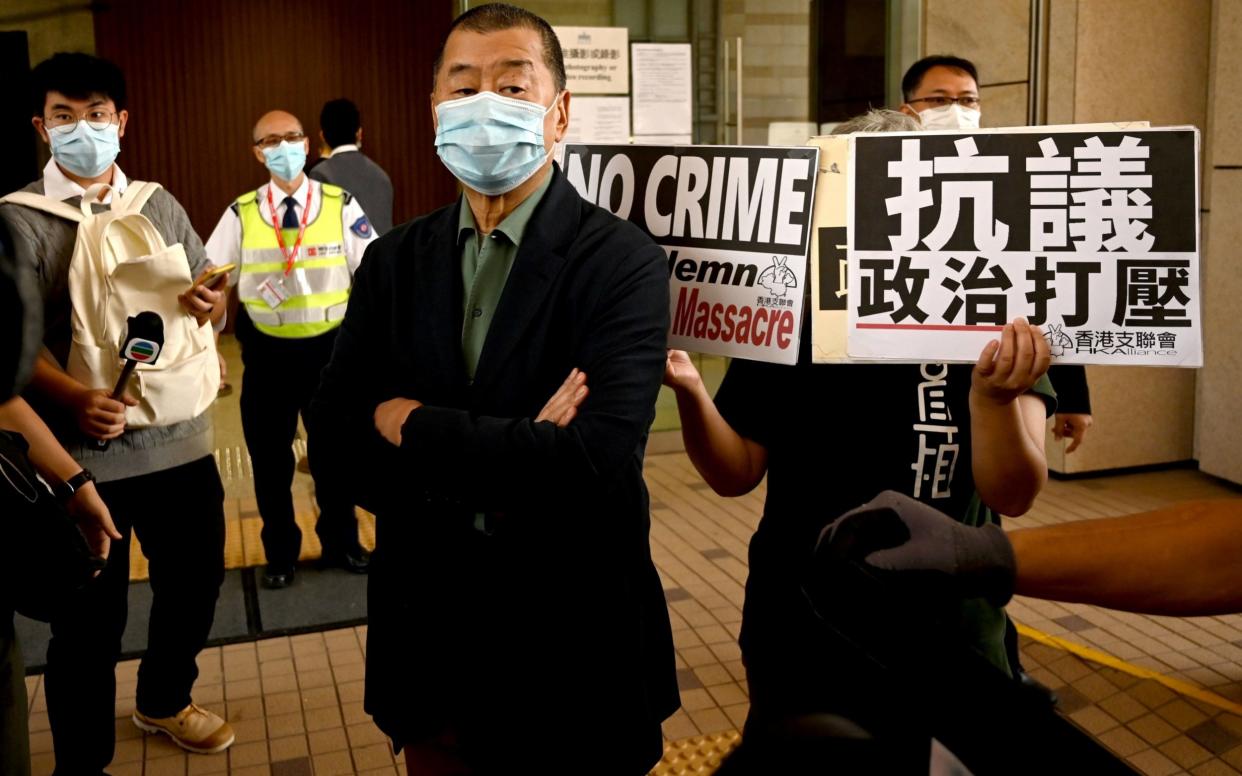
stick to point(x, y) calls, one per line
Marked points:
point(121, 267)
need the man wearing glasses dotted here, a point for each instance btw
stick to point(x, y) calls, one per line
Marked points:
point(159, 481)
point(297, 243)
point(942, 92)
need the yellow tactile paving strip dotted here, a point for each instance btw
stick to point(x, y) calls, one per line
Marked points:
point(696, 754)
point(1095, 656)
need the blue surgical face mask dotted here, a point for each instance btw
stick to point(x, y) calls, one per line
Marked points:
point(490, 143)
point(286, 160)
point(86, 152)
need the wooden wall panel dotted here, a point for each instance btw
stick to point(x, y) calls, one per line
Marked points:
point(201, 73)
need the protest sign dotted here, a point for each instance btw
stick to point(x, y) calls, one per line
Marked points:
point(735, 223)
point(1091, 234)
point(827, 264)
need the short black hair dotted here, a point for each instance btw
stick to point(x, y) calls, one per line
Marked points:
point(494, 17)
point(340, 121)
point(914, 76)
point(77, 76)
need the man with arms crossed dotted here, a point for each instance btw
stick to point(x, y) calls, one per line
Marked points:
point(512, 531)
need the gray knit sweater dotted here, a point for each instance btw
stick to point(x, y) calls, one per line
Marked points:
point(45, 242)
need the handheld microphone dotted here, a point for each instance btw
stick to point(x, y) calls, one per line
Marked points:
point(144, 339)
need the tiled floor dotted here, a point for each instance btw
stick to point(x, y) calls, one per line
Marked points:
point(699, 541)
point(296, 702)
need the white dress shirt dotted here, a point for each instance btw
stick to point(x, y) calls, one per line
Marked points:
point(58, 186)
point(342, 149)
point(224, 245)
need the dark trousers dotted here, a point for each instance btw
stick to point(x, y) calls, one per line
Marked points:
point(279, 378)
point(178, 515)
point(14, 736)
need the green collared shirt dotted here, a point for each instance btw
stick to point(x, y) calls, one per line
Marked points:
point(486, 260)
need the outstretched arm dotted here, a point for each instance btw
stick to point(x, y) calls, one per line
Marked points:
point(729, 462)
point(1181, 561)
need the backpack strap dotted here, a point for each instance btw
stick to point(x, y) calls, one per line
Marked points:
point(44, 203)
point(136, 195)
point(94, 194)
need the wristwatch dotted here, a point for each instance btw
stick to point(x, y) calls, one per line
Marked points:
point(66, 490)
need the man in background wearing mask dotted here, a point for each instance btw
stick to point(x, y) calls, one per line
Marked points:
point(942, 92)
point(161, 481)
point(512, 529)
point(297, 243)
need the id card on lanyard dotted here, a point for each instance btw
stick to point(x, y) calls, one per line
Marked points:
point(274, 291)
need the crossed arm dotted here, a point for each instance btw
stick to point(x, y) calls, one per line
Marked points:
point(441, 451)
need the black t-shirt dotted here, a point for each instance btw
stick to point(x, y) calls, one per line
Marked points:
point(836, 435)
point(1073, 395)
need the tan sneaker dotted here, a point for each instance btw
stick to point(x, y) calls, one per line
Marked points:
point(193, 728)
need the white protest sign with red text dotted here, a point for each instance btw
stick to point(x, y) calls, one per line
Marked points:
point(735, 223)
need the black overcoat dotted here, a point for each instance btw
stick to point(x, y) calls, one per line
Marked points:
point(552, 626)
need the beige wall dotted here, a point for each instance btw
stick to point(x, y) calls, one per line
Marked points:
point(1108, 60)
point(569, 13)
point(1219, 438)
point(1142, 416)
point(48, 28)
point(776, 61)
point(995, 41)
point(1142, 59)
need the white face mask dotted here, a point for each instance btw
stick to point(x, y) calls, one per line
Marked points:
point(951, 116)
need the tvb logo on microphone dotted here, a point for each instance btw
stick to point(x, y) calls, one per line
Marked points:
point(143, 351)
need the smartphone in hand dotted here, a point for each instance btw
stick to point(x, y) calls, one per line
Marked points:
point(214, 276)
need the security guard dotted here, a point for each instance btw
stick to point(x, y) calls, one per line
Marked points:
point(297, 243)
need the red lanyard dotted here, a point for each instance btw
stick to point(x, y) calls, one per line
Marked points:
point(290, 257)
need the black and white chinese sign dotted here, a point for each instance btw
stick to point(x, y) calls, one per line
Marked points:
point(1092, 235)
point(735, 223)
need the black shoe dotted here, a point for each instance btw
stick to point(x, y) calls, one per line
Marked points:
point(277, 577)
point(355, 561)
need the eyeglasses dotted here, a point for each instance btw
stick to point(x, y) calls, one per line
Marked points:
point(62, 122)
point(271, 141)
point(939, 101)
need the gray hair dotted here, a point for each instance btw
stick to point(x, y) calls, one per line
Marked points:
point(879, 120)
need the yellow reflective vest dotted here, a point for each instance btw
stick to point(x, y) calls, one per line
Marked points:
point(317, 288)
